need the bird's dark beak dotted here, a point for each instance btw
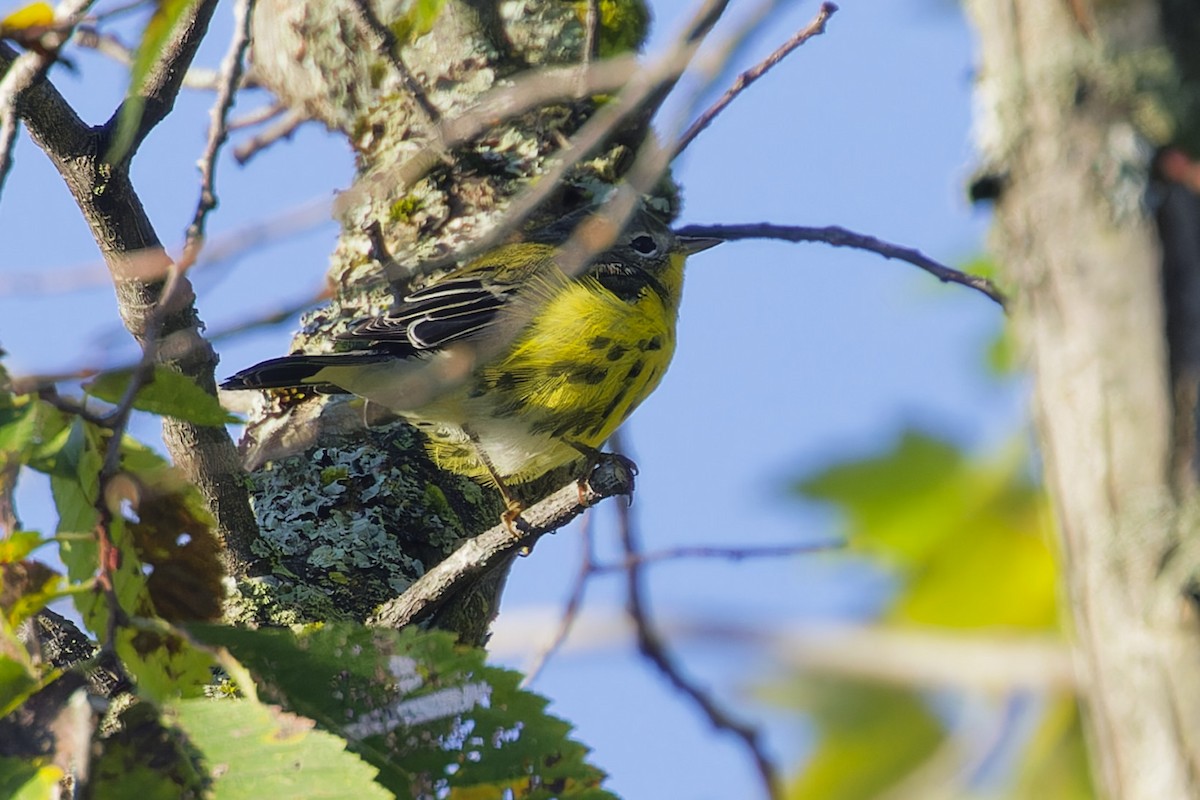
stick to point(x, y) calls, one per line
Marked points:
point(697, 244)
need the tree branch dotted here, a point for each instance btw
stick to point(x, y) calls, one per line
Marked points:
point(651, 645)
point(612, 476)
point(138, 264)
point(814, 28)
point(840, 237)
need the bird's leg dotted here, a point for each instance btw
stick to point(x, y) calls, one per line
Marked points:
point(513, 507)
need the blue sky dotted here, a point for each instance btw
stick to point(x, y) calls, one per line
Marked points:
point(789, 355)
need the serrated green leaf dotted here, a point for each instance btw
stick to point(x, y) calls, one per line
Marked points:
point(253, 751)
point(22, 779)
point(425, 711)
point(167, 393)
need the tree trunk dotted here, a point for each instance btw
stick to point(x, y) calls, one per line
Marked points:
point(1074, 102)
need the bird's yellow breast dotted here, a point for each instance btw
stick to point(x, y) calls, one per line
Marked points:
point(586, 359)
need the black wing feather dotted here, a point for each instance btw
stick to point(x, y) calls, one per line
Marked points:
point(432, 317)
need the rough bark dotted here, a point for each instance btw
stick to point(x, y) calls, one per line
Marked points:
point(1072, 109)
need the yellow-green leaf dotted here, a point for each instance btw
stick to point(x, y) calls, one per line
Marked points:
point(34, 15)
point(168, 393)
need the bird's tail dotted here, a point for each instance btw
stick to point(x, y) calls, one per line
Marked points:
point(300, 370)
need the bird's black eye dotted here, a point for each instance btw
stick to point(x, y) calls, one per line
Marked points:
point(644, 245)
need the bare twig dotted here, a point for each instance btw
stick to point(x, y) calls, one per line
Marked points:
point(840, 237)
point(591, 22)
point(587, 568)
point(285, 313)
point(651, 645)
point(118, 10)
point(218, 131)
point(814, 28)
point(612, 476)
point(109, 45)
point(258, 116)
point(721, 553)
point(282, 128)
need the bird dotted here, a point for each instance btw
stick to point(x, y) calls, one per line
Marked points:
point(554, 362)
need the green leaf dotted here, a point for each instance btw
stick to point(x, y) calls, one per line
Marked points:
point(969, 537)
point(19, 545)
point(1055, 761)
point(427, 712)
point(26, 587)
point(157, 34)
point(28, 427)
point(871, 737)
point(18, 681)
point(143, 758)
point(22, 779)
point(167, 393)
point(253, 751)
point(416, 20)
point(163, 665)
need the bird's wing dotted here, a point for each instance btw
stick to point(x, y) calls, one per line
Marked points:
point(463, 303)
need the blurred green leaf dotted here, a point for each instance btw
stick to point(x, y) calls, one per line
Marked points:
point(19, 545)
point(871, 736)
point(26, 587)
point(425, 711)
point(969, 541)
point(22, 779)
point(167, 393)
point(18, 679)
point(163, 665)
point(416, 19)
point(28, 427)
point(155, 37)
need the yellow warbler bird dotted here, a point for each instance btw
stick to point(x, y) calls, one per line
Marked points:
point(571, 356)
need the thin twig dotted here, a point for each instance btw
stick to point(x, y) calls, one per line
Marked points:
point(591, 23)
point(49, 394)
point(814, 28)
point(218, 130)
point(612, 476)
point(116, 11)
point(651, 646)
point(587, 568)
point(258, 116)
point(282, 128)
point(840, 237)
point(722, 553)
point(106, 44)
point(285, 313)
